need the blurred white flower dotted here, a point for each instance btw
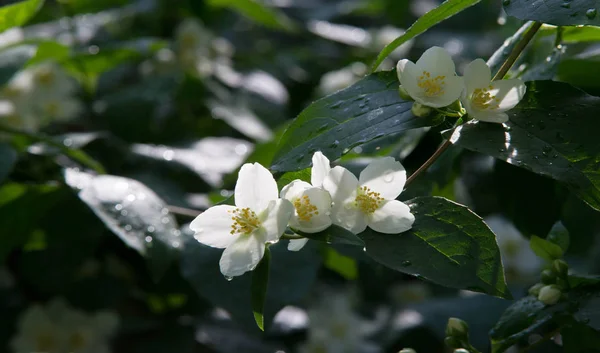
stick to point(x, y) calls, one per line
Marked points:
point(371, 199)
point(193, 44)
point(334, 81)
point(517, 257)
point(45, 79)
point(488, 100)
point(259, 217)
point(58, 328)
point(59, 108)
point(432, 80)
point(312, 204)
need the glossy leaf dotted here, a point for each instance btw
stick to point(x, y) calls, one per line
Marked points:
point(448, 245)
point(18, 14)
point(334, 235)
point(555, 12)
point(345, 266)
point(545, 249)
point(257, 12)
point(552, 132)
point(367, 110)
point(8, 158)
point(502, 53)
point(133, 212)
point(445, 10)
point(580, 338)
point(260, 281)
point(559, 235)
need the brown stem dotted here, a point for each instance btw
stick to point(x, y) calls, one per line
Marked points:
point(514, 55)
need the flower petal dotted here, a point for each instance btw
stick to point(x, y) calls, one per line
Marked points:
point(385, 176)
point(318, 219)
point(348, 216)
point(255, 187)
point(489, 116)
point(477, 75)
point(341, 184)
point(509, 92)
point(294, 189)
point(275, 219)
point(212, 227)
point(452, 91)
point(297, 244)
point(392, 218)
point(407, 75)
point(436, 60)
point(320, 169)
point(242, 255)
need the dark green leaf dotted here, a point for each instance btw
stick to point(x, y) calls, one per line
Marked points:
point(580, 72)
point(448, 244)
point(133, 212)
point(369, 109)
point(581, 34)
point(580, 338)
point(559, 235)
point(445, 10)
point(502, 53)
point(288, 177)
point(260, 282)
point(257, 12)
point(588, 312)
point(18, 14)
point(49, 50)
point(8, 157)
point(552, 132)
point(545, 249)
point(576, 281)
point(345, 266)
point(556, 12)
point(334, 235)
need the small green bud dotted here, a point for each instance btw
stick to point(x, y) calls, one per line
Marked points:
point(548, 277)
point(549, 295)
point(457, 328)
point(408, 350)
point(404, 94)
point(455, 106)
point(452, 342)
point(560, 267)
point(535, 289)
point(562, 284)
point(420, 110)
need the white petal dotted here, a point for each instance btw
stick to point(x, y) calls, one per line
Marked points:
point(255, 187)
point(385, 176)
point(392, 218)
point(319, 220)
point(212, 227)
point(294, 189)
point(407, 75)
point(489, 116)
point(341, 184)
point(509, 92)
point(477, 75)
point(297, 244)
point(275, 219)
point(436, 60)
point(348, 216)
point(242, 255)
point(452, 91)
point(320, 169)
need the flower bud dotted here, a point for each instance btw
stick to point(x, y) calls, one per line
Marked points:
point(408, 350)
point(404, 94)
point(548, 277)
point(420, 110)
point(549, 295)
point(535, 289)
point(452, 342)
point(560, 267)
point(457, 328)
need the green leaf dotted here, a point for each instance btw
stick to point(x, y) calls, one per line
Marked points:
point(580, 338)
point(49, 50)
point(448, 244)
point(576, 281)
point(133, 212)
point(334, 235)
point(580, 72)
point(288, 177)
point(545, 249)
point(559, 235)
point(258, 13)
point(552, 132)
point(445, 10)
point(345, 266)
point(556, 12)
point(8, 158)
point(581, 34)
point(501, 54)
point(260, 281)
point(367, 110)
point(18, 14)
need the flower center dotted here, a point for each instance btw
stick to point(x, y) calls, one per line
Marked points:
point(432, 87)
point(51, 109)
point(368, 201)
point(45, 77)
point(45, 342)
point(304, 208)
point(482, 99)
point(511, 248)
point(339, 330)
point(244, 220)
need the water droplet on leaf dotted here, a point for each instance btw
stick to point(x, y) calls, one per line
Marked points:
point(591, 13)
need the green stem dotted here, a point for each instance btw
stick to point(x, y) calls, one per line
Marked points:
point(517, 50)
point(75, 154)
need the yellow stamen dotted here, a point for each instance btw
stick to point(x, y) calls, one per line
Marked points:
point(244, 220)
point(433, 87)
point(304, 208)
point(482, 99)
point(368, 201)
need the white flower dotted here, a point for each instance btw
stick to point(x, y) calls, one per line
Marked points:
point(312, 204)
point(517, 257)
point(44, 79)
point(259, 217)
point(488, 100)
point(59, 108)
point(549, 295)
point(432, 81)
point(370, 200)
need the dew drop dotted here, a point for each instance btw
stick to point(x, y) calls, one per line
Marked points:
point(118, 207)
point(148, 239)
point(128, 228)
point(388, 178)
point(406, 263)
point(502, 150)
point(228, 278)
point(506, 2)
point(591, 13)
point(151, 229)
point(565, 5)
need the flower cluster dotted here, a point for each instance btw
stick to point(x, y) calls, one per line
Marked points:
point(37, 96)
point(432, 82)
point(57, 328)
point(334, 196)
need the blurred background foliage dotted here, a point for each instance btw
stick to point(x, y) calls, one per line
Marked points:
point(173, 96)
